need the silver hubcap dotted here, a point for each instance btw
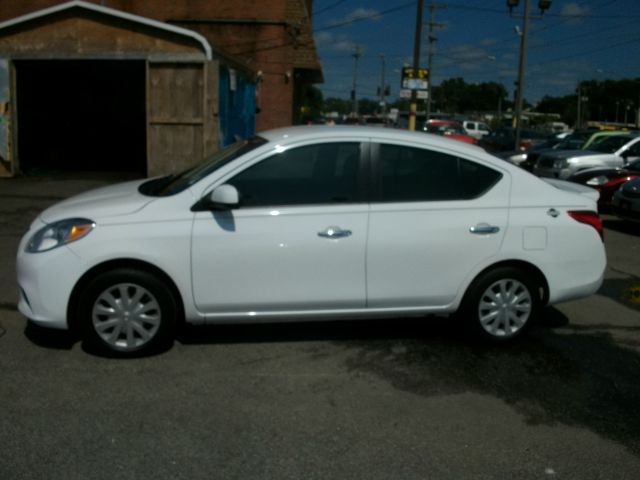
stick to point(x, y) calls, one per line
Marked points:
point(126, 316)
point(505, 308)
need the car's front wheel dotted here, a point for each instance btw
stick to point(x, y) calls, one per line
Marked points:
point(127, 312)
point(501, 304)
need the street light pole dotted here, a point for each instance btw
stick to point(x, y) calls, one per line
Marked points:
point(413, 109)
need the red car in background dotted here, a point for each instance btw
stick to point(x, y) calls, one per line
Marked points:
point(450, 129)
point(606, 180)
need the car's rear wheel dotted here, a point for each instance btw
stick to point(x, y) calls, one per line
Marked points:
point(127, 312)
point(501, 304)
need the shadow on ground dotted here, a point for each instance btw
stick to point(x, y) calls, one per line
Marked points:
point(622, 226)
point(556, 374)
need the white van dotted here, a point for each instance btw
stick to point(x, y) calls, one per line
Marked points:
point(476, 129)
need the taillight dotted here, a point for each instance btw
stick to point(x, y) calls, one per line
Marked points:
point(590, 218)
point(525, 145)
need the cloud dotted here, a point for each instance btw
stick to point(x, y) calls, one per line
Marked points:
point(356, 15)
point(469, 57)
point(335, 43)
point(575, 13)
point(575, 10)
point(487, 42)
point(363, 13)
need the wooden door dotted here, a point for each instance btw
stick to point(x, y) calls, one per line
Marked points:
point(175, 106)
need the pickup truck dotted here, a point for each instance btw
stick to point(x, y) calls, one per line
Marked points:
point(615, 151)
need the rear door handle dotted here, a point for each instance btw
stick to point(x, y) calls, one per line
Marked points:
point(334, 232)
point(484, 229)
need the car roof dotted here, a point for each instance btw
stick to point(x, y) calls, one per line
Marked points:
point(291, 134)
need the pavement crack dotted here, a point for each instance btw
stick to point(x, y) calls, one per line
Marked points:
point(622, 272)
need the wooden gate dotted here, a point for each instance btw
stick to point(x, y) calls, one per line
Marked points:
point(7, 166)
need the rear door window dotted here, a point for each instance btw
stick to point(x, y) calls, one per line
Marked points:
point(409, 174)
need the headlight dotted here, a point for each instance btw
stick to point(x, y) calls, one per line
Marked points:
point(597, 181)
point(560, 163)
point(59, 233)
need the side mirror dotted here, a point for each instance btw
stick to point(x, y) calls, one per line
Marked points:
point(223, 197)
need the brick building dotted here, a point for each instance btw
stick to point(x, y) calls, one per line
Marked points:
point(195, 72)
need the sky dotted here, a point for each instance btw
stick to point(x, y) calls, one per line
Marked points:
point(478, 41)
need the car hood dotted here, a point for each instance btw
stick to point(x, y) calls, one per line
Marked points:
point(564, 154)
point(112, 201)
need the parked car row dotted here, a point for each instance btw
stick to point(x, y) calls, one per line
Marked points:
point(504, 140)
point(607, 180)
point(450, 129)
point(467, 131)
point(608, 161)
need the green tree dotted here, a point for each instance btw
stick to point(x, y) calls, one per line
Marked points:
point(456, 96)
point(311, 104)
point(342, 106)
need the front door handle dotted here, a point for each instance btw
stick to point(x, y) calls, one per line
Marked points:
point(484, 228)
point(334, 232)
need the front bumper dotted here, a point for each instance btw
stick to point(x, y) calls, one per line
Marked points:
point(46, 281)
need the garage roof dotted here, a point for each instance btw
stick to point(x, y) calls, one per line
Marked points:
point(114, 13)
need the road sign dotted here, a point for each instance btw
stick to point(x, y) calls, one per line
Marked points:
point(415, 80)
point(421, 94)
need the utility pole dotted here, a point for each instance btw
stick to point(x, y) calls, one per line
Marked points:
point(416, 65)
point(432, 39)
point(383, 87)
point(542, 5)
point(579, 113)
point(638, 113)
point(521, 67)
point(354, 95)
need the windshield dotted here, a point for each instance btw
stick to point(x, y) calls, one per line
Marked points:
point(573, 141)
point(172, 184)
point(611, 144)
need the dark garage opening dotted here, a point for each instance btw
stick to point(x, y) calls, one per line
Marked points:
point(81, 116)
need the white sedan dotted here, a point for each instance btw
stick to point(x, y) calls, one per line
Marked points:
point(312, 223)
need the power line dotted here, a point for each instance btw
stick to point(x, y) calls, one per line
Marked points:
point(333, 5)
point(459, 6)
point(608, 47)
point(365, 17)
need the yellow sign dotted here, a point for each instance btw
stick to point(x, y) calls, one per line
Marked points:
point(415, 79)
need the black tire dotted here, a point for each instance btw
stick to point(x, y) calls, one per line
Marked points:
point(500, 304)
point(126, 312)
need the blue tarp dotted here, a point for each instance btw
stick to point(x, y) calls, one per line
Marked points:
point(237, 106)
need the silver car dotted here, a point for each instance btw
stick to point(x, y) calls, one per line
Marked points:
point(615, 151)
